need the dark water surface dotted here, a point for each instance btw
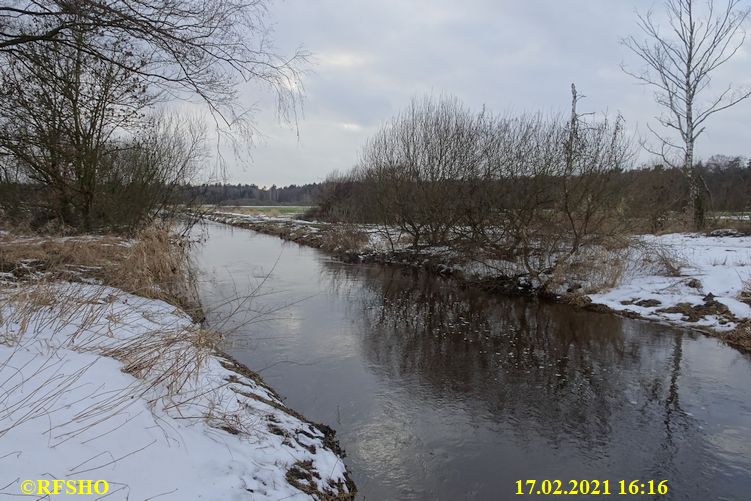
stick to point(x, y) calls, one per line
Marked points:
point(439, 393)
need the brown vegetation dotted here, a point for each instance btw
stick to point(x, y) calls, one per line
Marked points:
point(346, 238)
point(527, 189)
point(155, 264)
point(740, 336)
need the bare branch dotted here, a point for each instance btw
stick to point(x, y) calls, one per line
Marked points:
point(680, 64)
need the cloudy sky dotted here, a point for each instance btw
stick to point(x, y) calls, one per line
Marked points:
point(371, 57)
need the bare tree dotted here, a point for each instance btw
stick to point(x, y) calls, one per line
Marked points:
point(679, 63)
point(140, 175)
point(414, 163)
point(593, 152)
point(59, 113)
point(81, 130)
point(190, 47)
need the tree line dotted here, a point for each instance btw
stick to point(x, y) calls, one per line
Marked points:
point(657, 195)
point(250, 194)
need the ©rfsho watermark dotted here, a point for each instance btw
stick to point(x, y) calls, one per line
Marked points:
point(71, 487)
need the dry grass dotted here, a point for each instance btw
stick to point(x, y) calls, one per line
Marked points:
point(660, 223)
point(661, 259)
point(167, 359)
point(344, 238)
point(600, 267)
point(745, 294)
point(155, 264)
point(158, 266)
point(739, 223)
point(249, 211)
point(740, 337)
point(272, 211)
point(171, 358)
point(592, 270)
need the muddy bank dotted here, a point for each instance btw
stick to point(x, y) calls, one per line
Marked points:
point(347, 245)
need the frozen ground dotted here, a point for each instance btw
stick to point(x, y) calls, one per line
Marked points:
point(711, 278)
point(99, 384)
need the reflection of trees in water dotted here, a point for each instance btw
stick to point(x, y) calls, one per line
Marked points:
point(551, 370)
point(664, 392)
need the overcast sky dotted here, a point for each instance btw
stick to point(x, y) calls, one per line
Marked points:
point(371, 57)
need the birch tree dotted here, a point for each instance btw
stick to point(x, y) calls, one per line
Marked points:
point(679, 63)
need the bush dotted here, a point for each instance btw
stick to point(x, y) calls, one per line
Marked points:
point(344, 238)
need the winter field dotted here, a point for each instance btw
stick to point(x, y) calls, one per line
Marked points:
point(99, 384)
point(289, 211)
point(709, 288)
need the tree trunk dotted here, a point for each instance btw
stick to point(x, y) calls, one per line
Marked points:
point(695, 192)
point(696, 201)
point(695, 195)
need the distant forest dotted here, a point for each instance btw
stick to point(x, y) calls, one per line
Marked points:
point(655, 195)
point(251, 194)
point(728, 180)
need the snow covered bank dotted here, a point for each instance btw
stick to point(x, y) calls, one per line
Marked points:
point(687, 279)
point(709, 289)
point(99, 384)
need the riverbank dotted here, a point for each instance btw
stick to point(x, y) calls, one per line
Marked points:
point(696, 281)
point(98, 383)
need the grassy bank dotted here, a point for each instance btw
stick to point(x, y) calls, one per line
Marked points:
point(154, 264)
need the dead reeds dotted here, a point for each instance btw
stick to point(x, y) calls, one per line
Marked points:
point(155, 264)
point(163, 349)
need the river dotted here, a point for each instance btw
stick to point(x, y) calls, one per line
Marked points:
point(439, 393)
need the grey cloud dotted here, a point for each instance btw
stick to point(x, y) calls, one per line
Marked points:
point(509, 55)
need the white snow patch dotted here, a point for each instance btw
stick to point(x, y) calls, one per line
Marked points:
point(75, 404)
point(721, 265)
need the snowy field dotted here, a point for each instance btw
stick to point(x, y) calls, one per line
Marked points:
point(711, 289)
point(99, 384)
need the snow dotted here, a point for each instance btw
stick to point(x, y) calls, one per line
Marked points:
point(721, 265)
point(284, 218)
point(99, 384)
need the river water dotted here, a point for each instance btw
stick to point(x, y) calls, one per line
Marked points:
point(442, 393)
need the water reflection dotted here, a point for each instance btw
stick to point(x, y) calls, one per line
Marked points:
point(568, 378)
point(443, 393)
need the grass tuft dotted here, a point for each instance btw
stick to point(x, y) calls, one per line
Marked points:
point(155, 265)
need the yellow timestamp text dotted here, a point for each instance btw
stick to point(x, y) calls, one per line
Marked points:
point(591, 487)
